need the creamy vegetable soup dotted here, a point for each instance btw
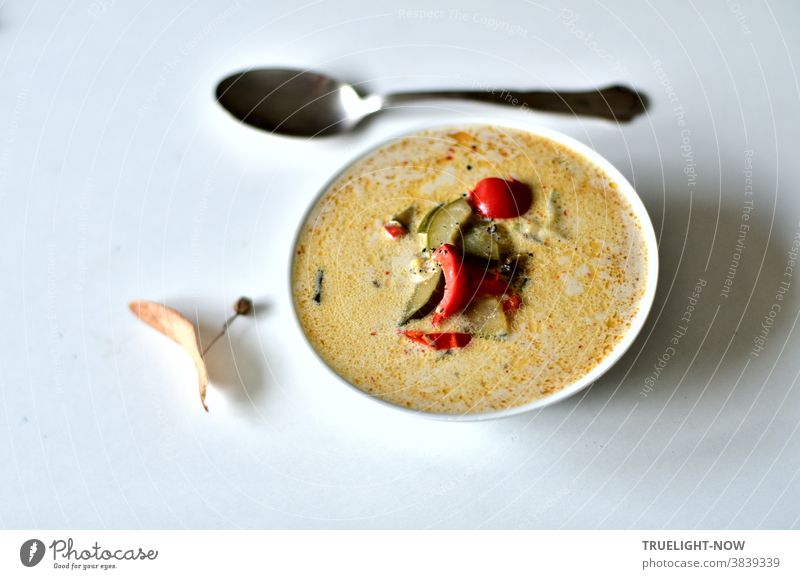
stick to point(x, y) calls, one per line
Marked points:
point(468, 270)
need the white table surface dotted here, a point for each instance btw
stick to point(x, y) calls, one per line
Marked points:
point(120, 178)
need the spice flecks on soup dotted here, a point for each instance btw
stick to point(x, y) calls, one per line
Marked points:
point(469, 270)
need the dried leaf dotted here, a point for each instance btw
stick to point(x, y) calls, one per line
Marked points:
point(174, 325)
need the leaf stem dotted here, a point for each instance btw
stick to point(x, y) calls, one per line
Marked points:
point(222, 332)
point(241, 308)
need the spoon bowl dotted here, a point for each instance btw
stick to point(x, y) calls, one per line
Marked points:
point(307, 104)
point(297, 103)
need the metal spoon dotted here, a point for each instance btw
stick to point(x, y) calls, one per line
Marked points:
point(307, 104)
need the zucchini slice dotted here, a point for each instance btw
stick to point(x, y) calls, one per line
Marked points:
point(405, 216)
point(426, 295)
point(423, 225)
point(486, 241)
point(487, 318)
point(444, 224)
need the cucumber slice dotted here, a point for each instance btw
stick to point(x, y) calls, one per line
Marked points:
point(445, 224)
point(426, 295)
point(487, 318)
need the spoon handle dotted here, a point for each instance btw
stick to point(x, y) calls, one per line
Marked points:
point(616, 103)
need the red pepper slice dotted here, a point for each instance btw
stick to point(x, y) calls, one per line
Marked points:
point(485, 281)
point(511, 303)
point(464, 281)
point(416, 336)
point(489, 283)
point(439, 340)
point(456, 282)
point(497, 198)
point(395, 229)
point(449, 340)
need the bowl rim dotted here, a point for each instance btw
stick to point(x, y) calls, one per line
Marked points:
point(624, 187)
